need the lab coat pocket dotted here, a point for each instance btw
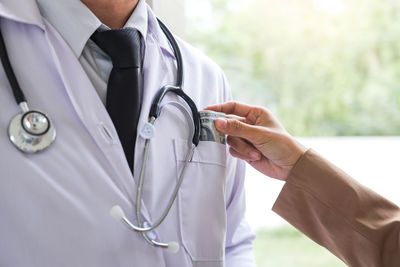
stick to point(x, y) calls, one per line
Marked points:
point(201, 202)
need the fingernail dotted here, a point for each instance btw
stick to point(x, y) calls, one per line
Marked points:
point(255, 155)
point(221, 123)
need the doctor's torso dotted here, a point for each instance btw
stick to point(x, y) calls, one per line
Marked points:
point(55, 204)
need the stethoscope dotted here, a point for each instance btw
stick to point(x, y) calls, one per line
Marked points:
point(32, 131)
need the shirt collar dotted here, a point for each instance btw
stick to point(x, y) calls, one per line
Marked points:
point(76, 23)
point(139, 18)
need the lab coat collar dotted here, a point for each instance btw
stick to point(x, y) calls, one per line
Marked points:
point(155, 30)
point(24, 11)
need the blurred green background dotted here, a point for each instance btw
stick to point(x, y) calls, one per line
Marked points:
point(288, 247)
point(324, 67)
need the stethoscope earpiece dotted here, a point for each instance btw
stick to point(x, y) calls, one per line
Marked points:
point(118, 213)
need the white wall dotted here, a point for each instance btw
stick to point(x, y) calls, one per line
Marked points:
point(172, 13)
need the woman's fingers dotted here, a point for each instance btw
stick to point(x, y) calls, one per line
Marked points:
point(235, 108)
point(258, 138)
point(230, 116)
point(244, 148)
point(237, 128)
point(238, 155)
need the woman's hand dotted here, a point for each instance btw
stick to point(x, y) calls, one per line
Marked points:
point(256, 136)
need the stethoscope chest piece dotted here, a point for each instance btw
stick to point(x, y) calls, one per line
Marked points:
point(31, 131)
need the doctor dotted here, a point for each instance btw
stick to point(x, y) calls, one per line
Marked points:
point(55, 204)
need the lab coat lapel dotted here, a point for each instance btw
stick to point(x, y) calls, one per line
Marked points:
point(92, 112)
point(24, 11)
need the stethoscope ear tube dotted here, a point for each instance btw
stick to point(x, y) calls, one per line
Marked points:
point(178, 89)
point(195, 113)
point(156, 108)
point(177, 52)
point(18, 94)
point(148, 133)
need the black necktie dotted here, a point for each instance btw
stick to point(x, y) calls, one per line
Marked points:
point(123, 89)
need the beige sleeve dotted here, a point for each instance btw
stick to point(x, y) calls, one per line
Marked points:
point(351, 221)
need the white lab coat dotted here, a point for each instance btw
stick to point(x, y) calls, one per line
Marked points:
point(55, 204)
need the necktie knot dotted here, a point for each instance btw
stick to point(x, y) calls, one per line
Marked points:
point(122, 45)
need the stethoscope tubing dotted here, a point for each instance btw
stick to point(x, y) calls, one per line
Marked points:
point(5, 60)
point(171, 200)
point(173, 196)
point(155, 108)
point(178, 88)
point(177, 52)
point(154, 113)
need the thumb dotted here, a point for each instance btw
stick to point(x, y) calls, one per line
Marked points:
point(237, 128)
